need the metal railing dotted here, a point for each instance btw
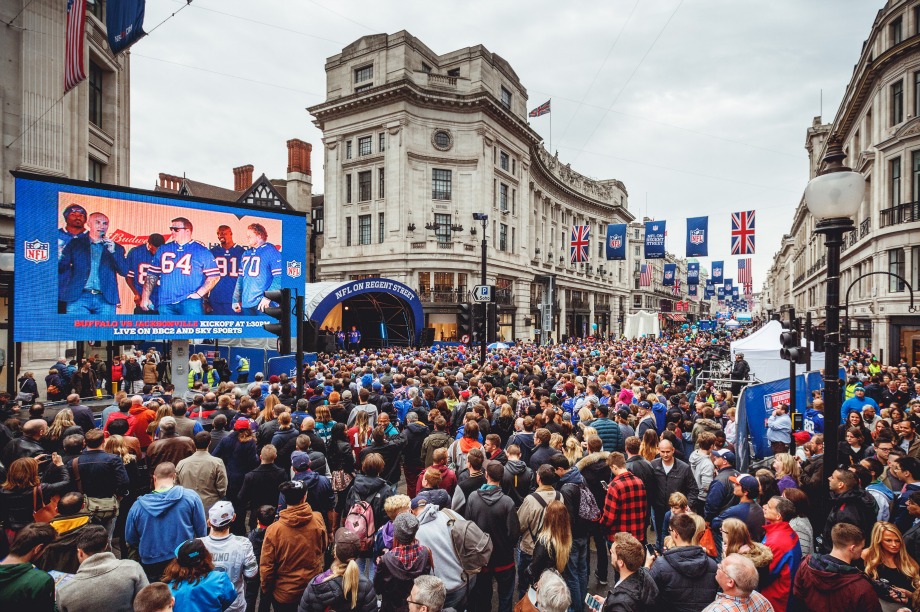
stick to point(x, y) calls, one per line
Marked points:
point(902, 213)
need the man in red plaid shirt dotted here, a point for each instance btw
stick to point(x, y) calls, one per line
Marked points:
point(626, 505)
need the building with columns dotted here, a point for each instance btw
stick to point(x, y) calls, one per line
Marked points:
point(878, 122)
point(414, 144)
point(85, 134)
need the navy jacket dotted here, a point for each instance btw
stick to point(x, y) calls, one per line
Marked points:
point(102, 474)
point(75, 265)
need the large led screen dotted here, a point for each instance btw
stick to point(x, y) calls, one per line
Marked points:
point(104, 263)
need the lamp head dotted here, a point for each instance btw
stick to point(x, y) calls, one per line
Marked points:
point(838, 191)
point(480, 217)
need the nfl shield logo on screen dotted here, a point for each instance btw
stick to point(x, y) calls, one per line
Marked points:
point(697, 236)
point(668, 274)
point(37, 251)
point(616, 242)
point(293, 269)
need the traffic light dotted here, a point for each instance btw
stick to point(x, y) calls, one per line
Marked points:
point(479, 323)
point(463, 321)
point(491, 323)
point(792, 347)
point(282, 312)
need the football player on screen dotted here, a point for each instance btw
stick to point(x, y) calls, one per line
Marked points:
point(74, 225)
point(140, 258)
point(89, 269)
point(260, 272)
point(186, 271)
point(227, 254)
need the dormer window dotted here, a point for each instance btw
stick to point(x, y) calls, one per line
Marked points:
point(364, 73)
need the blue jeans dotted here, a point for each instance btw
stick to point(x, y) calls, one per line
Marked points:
point(599, 534)
point(661, 518)
point(457, 599)
point(91, 303)
point(251, 311)
point(576, 572)
point(221, 308)
point(368, 567)
point(187, 307)
point(523, 563)
point(482, 592)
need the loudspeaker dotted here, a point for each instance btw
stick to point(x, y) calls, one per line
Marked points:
point(427, 337)
point(325, 344)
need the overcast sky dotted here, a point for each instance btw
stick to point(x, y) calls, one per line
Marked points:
point(700, 107)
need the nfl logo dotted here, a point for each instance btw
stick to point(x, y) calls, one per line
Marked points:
point(37, 251)
point(697, 236)
point(293, 269)
point(616, 242)
point(654, 228)
point(669, 275)
point(717, 271)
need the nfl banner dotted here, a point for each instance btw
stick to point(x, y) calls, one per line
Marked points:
point(728, 284)
point(717, 269)
point(693, 274)
point(616, 241)
point(697, 237)
point(720, 293)
point(654, 239)
point(670, 271)
point(691, 290)
point(124, 22)
point(735, 293)
point(709, 291)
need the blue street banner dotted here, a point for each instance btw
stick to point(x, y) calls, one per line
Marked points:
point(735, 295)
point(757, 405)
point(709, 291)
point(616, 241)
point(691, 290)
point(124, 22)
point(697, 236)
point(654, 239)
point(720, 293)
point(718, 267)
point(728, 284)
point(670, 271)
point(693, 273)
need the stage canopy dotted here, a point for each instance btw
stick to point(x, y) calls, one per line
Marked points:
point(386, 312)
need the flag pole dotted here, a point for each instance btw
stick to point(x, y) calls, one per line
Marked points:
point(551, 126)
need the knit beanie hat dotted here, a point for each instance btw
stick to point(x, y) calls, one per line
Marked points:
point(405, 526)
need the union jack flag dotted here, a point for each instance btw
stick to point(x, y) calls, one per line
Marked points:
point(645, 276)
point(743, 232)
point(676, 288)
point(581, 241)
point(73, 52)
point(543, 109)
point(744, 271)
point(748, 290)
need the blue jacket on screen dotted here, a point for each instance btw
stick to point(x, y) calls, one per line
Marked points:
point(74, 268)
point(158, 522)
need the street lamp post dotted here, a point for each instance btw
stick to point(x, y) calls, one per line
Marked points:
point(7, 264)
point(484, 218)
point(833, 198)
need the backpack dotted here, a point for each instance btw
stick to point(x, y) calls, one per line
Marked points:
point(543, 504)
point(360, 521)
point(472, 545)
point(457, 461)
point(587, 504)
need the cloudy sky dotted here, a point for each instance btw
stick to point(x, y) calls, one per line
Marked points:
point(700, 107)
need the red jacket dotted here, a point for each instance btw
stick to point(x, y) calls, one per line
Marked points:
point(143, 417)
point(448, 479)
point(826, 583)
point(625, 507)
point(783, 541)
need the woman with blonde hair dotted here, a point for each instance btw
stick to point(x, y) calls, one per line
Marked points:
point(62, 426)
point(731, 428)
point(572, 450)
point(359, 434)
point(163, 411)
point(342, 586)
point(553, 543)
point(267, 413)
point(787, 471)
point(648, 448)
point(118, 446)
point(324, 423)
point(737, 539)
point(555, 441)
point(886, 558)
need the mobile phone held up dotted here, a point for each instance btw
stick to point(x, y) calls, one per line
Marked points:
point(593, 604)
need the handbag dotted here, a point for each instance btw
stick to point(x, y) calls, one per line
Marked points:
point(101, 508)
point(340, 480)
point(22, 396)
point(46, 512)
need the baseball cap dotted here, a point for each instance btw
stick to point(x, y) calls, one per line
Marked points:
point(726, 454)
point(300, 460)
point(801, 437)
point(220, 514)
point(190, 553)
point(419, 502)
point(241, 423)
point(347, 545)
point(747, 482)
point(72, 208)
point(645, 405)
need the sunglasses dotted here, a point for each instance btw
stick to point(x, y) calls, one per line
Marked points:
point(176, 229)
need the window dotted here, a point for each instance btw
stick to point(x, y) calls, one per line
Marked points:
point(364, 73)
point(94, 172)
point(514, 167)
point(318, 222)
point(443, 282)
point(513, 201)
point(915, 266)
point(442, 140)
point(897, 32)
point(97, 9)
point(894, 170)
point(897, 102)
point(504, 161)
point(503, 197)
point(364, 145)
point(382, 146)
point(426, 67)
point(381, 227)
point(348, 189)
point(440, 184)
point(506, 98)
point(513, 240)
point(915, 172)
point(443, 231)
point(453, 72)
point(347, 149)
point(347, 231)
point(424, 282)
point(917, 94)
point(502, 237)
point(896, 265)
point(461, 283)
point(364, 229)
point(381, 183)
point(95, 94)
point(364, 186)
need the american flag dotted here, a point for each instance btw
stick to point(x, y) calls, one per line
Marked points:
point(581, 241)
point(744, 271)
point(676, 288)
point(743, 233)
point(543, 109)
point(645, 276)
point(73, 53)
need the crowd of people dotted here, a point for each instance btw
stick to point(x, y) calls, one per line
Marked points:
point(599, 475)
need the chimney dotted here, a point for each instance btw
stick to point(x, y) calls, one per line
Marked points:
point(299, 156)
point(170, 182)
point(242, 177)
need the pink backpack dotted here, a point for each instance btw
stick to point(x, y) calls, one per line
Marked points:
point(360, 521)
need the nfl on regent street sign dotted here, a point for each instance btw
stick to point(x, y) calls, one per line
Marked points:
point(483, 293)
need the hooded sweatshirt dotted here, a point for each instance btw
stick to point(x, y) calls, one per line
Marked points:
point(703, 471)
point(396, 574)
point(102, 583)
point(686, 579)
point(827, 583)
point(517, 481)
point(160, 521)
point(494, 513)
point(143, 416)
point(434, 533)
point(634, 594)
point(23, 587)
point(292, 553)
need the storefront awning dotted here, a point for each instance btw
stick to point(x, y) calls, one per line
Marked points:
point(673, 316)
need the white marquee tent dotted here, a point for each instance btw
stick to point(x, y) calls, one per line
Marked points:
point(642, 323)
point(761, 351)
